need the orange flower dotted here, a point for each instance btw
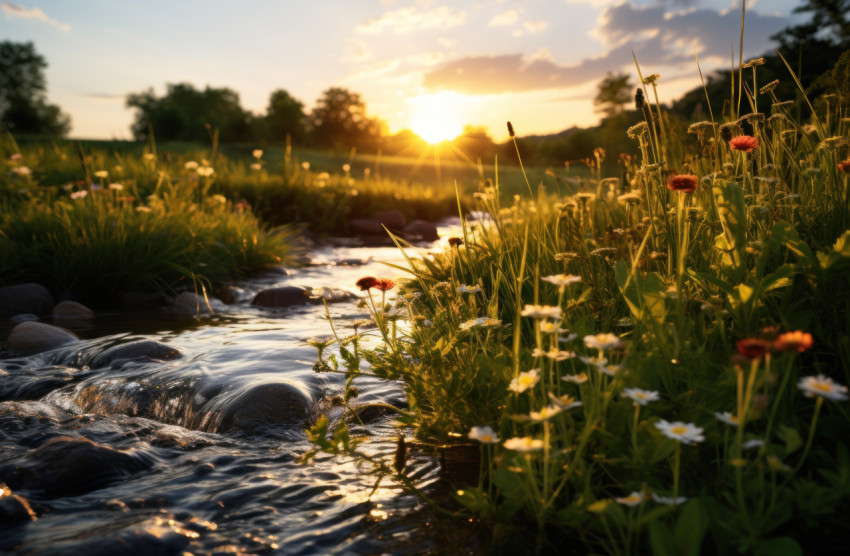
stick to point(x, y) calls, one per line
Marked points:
point(794, 341)
point(385, 284)
point(753, 348)
point(844, 166)
point(366, 283)
point(686, 183)
point(744, 143)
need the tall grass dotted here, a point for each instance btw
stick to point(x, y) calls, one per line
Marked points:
point(653, 365)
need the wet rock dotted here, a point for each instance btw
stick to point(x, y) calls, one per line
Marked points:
point(366, 227)
point(266, 404)
point(392, 219)
point(25, 298)
point(72, 310)
point(421, 230)
point(190, 303)
point(35, 337)
point(142, 300)
point(282, 297)
point(141, 350)
point(350, 262)
point(14, 509)
point(68, 466)
point(24, 317)
point(330, 295)
point(229, 294)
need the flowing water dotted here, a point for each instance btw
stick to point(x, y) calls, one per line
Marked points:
point(209, 441)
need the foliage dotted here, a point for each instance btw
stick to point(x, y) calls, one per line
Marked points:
point(339, 120)
point(23, 105)
point(284, 118)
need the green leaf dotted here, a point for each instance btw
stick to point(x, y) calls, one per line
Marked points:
point(732, 242)
point(791, 438)
point(474, 499)
point(645, 295)
point(777, 546)
point(663, 449)
point(691, 528)
point(661, 539)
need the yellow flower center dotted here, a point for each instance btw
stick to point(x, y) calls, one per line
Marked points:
point(679, 430)
point(822, 386)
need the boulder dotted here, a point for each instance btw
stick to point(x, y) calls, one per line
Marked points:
point(284, 296)
point(35, 337)
point(392, 219)
point(421, 230)
point(266, 404)
point(13, 508)
point(190, 303)
point(72, 310)
point(68, 466)
point(25, 298)
point(365, 227)
point(229, 294)
point(141, 350)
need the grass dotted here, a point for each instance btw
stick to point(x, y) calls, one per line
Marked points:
point(654, 364)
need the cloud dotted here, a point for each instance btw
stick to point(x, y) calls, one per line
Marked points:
point(505, 18)
point(14, 10)
point(535, 26)
point(406, 20)
point(658, 37)
point(104, 96)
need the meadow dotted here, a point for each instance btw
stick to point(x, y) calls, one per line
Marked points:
point(654, 364)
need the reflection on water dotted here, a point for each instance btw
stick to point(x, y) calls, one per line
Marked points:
point(219, 431)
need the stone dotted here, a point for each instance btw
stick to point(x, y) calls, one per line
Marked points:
point(421, 230)
point(35, 337)
point(24, 317)
point(329, 295)
point(14, 509)
point(72, 310)
point(267, 404)
point(25, 298)
point(140, 350)
point(69, 466)
point(190, 303)
point(284, 296)
point(229, 294)
point(392, 219)
point(365, 227)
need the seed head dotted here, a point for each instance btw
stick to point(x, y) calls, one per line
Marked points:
point(725, 133)
point(640, 102)
point(511, 130)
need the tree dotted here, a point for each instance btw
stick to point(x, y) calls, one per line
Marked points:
point(285, 116)
point(339, 120)
point(23, 103)
point(614, 92)
point(476, 143)
point(829, 23)
point(188, 114)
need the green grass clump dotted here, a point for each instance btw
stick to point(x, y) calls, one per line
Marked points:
point(656, 364)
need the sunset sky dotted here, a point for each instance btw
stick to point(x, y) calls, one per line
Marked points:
point(415, 62)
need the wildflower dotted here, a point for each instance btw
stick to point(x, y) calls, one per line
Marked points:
point(16, 156)
point(149, 157)
point(523, 444)
point(22, 170)
point(686, 433)
point(822, 386)
point(79, 194)
point(511, 131)
point(481, 321)
point(727, 418)
point(463, 288)
point(568, 337)
point(484, 435)
point(640, 101)
point(640, 396)
point(548, 327)
point(455, 241)
point(191, 165)
point(754, 443)
point(844, 166)
point(744, 143)
point(562, 280)
point(116, 186)
point(794, 341)
point(305, 166)
point(525, 380)
point(753, 63)
point(140, 208)
point(256, 166)
point(580, 378)
point(631, 500)
point(637, 130)
point(205, 171)
point(385, 284)
point(686, 183)
point(366, 283)
point(753, 348)
point(564, 402)
point(257, 153)
point(602, 341)
point(651, 79)
point(557, 355)
point(669, 500)
point(545, 414)
point(541, 312)
point(568, 256)
point(593, 361)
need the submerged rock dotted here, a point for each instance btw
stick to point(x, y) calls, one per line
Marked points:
point(229, 294)
point(14, 509)
point(282, 297)
point(191, 303)
point(392, 219)
point(141, 350)
point(25, 298)
point(68, 466)
point(366, 226)
point(35, 337)
point(72, 310)
point(266, 404)
point(330, 295)
point(421, 230)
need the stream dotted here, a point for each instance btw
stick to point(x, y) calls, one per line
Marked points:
point(198, 454)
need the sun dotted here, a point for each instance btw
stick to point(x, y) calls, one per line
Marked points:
point(436, 117)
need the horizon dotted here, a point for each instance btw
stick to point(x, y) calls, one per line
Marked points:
point(423, 65)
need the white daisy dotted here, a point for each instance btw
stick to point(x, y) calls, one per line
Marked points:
point(754, 443)
point(524, 381)
point(580, 378)
point(822, 386)
point(564, 402)
point(463, 288)
point(562, 280)
point(641, 397)
point(686, 433)
point(523, 444)
point(669, 500)
point(480, 321)
point(545, 414)
point(632, 499)
point(602, 341)
point(484, 435)
point(541, 312)
point(727, 418)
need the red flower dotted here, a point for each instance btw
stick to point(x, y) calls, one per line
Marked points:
point(744, 143)
point(794, 341)
point(844, 166)
point(367, 282)
point(753, 348)
point(455, 241)
point(385, 284)
point(686, 183)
